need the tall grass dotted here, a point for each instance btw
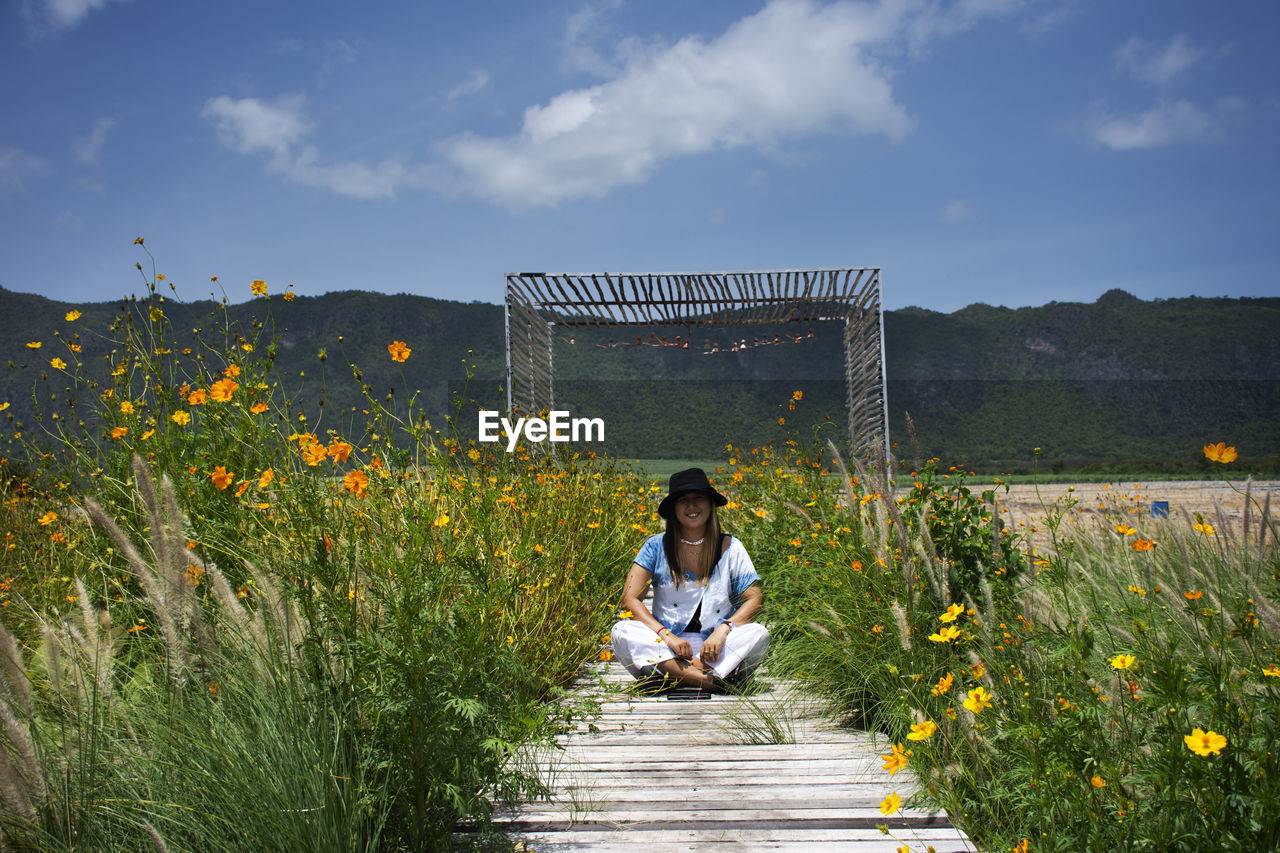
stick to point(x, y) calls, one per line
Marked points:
point(1049, 697)
point(233, 623)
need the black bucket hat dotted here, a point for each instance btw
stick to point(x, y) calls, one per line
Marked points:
point(687, 482)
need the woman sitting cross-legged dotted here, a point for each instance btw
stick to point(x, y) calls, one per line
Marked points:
point(705, 595)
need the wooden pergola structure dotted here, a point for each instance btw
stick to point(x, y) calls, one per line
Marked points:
point(537, 303)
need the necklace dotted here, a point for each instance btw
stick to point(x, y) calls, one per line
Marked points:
point(687, 542)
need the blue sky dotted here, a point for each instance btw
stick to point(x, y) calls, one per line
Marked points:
point(1012, 152)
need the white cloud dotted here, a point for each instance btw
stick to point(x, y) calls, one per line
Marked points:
point(475, 82)
point(253, 126)
point(16, 166)
point(1170, 123)
point(795, 70)
point(792, 70)
point(1156, 65)
point(88, 148)
point(58, 14)
point(956, 211)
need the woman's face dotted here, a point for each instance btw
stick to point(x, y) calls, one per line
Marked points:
point(693, 511)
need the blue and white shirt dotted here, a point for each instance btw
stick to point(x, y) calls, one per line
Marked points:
point(722, 595)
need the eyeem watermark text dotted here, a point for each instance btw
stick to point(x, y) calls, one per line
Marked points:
point(558, 427)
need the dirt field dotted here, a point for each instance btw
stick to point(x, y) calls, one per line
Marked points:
point(1220, 503)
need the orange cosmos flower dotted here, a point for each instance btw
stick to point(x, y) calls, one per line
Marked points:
point(126, 408)
point(1193, 594)
point(223, 389)
point(180, 418)
point(797, 395)
point(232, 370)
point(398, 350)
point(923, 731)
point(289, 295)
point(1125, 530)
point(119, 432)
point(242, 488)
point(313, 454)
point(896, 759)
point(1220, 452)
point(356, 482)
point(48, 518)
point(265, 478)
point(72, 316)
point(258, 408)
point(943, 685)
point(339, 450)
point(605, 654)
point(221, 477)
point(197, 397)
point(1143, 544)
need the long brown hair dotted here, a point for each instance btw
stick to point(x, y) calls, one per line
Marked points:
point(706, 558)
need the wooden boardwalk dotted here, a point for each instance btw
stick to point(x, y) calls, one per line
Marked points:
point(758, 772)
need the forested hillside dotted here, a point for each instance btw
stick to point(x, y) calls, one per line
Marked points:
point(1119, 382)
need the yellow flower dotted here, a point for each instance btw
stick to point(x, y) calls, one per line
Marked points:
point(797, 395)
point(1273, 671)
point(180, 418)
point(58, 364)
point(891, 804)
point(761, 513)
point(1098, 782)
point(923, 731)
point(223, 389)
point(221, 477)
point(48, 518)
point(72, 316)
point(398, 350)
point(289, 295)
point(977, 670)
point(946, 634)
point(624, 614)
point(1137, 589)
point(441, 520)
point(74, 347)
point(197, 397)
point(156, 315)
point(34, 344)
point(126, 407)
point(232, 370)
point(119, 432)
point(148, 434)
point(265, 478)
point(944, 684)
point(1123, 662)
point(1125, 530)
point(4, 406)
point(356, 482)
point(258, 408)
point(952, 612)
point(1143, 544)
point(605, 654)
point(1220, 452)
point(258, 287)
point(978, 700)
point(1204, 743)
point(1204, 527)
point(896, 759)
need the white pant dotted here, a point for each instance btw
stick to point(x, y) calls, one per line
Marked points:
point(640, 650)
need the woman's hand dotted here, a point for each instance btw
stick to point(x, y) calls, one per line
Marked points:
point(678, 645)
point(714, 644)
